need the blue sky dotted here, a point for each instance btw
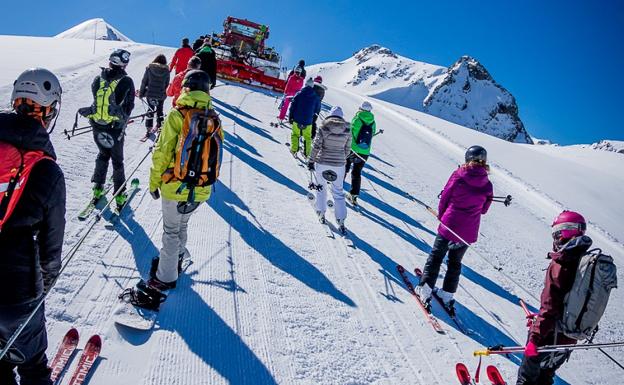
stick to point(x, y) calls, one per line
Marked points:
point(562, 60)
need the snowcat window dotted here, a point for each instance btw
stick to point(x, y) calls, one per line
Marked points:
point(244, 30)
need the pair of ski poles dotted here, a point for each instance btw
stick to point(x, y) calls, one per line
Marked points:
point(76, 131)
point(15, 355)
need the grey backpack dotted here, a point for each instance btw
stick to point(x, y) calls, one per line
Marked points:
point(585, 304)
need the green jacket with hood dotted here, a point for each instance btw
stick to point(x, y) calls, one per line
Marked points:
point(356, 124)
point(164, 151)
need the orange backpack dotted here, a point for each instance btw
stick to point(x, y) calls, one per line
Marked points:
point(198, 152)
point(15, 168)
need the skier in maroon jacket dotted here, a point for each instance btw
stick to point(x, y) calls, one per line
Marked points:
point(569, 244)
point(466, 196)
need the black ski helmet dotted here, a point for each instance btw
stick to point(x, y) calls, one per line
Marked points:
point(476, 153)
point(196, 80)
point(302, 63)
point(119, 57)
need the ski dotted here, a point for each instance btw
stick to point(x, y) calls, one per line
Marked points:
point(463, 375)
point(453, 317)
point(89, 355)
point(86, 212)
point(116, 212)
point(63, 354)
point(494, 375)
point(433, 321)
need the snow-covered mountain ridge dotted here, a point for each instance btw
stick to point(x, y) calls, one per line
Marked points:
point(464, 93)
point(91, 29)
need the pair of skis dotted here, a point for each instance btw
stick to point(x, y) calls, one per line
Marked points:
point(426, 307)
point(87, 211)
point(63, 356)
point(463, 375)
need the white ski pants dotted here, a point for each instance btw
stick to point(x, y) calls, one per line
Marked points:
point(174, 238)
point(340, 207)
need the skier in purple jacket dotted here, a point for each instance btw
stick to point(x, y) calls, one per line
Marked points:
point(466, 196)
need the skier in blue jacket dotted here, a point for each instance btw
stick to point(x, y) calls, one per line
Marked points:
point(302, 110)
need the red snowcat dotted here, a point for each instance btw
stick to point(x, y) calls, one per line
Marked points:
point(242, 56)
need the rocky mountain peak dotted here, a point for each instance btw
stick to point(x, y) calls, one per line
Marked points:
point(374, 50)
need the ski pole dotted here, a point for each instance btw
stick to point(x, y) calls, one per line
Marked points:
point(68, 258)
point(545, 349)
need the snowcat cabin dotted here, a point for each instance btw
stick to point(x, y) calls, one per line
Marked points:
point(243, 57)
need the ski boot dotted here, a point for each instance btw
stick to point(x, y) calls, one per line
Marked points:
point(341, 226)
point(321, 217)
point(353, 199)
point(121, 199)
point(98, 192)
point(424, 293)
point(447, 301)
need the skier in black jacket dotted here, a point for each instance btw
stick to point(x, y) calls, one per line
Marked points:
point(208, 61)
point(154, 89)
point(109, 124)
point(32, 235)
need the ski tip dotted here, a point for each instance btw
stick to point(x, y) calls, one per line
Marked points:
point(417, 271)
point(72, 334)
point(95, 341)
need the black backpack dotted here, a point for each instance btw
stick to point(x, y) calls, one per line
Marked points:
point(365, 136)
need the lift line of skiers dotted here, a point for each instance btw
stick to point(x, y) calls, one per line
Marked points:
point(32, 206)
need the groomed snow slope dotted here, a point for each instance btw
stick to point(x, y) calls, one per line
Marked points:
point(270, 299)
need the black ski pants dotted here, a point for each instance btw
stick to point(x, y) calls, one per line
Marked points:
point(431, 270)
point(110, 144)
point(156, 107)
point(31, 344)
point(358, 162)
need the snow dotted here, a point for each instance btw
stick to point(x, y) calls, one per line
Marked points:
point(91, 29)
point(269, 299)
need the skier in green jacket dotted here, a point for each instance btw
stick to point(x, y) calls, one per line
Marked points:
point(363, 129)
point(176, 210)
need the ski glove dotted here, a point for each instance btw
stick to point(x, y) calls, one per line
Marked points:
point(311, 166)
point(155, 194)
point(530, 350)
point(530, 319)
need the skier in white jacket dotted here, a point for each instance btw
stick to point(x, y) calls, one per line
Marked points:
point(328, 157)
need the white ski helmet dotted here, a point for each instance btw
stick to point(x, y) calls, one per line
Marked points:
point(39, 85)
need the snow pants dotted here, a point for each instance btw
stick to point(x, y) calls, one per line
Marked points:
point(31, 344)
point(174, 239)
point(110, 144)
point(297, 132)
point(156, 108)
point(340, 207)
point(284, 106)
point(431, 270)
point(541, 370)
point(358, 162)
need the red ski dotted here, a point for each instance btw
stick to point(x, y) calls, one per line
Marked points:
point(452, 316)
point(87, 359)
point(463, 375)
point(433, 321)
point(494, 376)
point(63, 354)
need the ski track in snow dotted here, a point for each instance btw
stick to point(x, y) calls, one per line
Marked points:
point(269, 298)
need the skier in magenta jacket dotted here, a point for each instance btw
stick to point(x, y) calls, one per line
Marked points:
point(466, 196)
point(293, 85)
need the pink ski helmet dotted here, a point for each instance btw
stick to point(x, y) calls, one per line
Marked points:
point(318, 79)
point(568, 225)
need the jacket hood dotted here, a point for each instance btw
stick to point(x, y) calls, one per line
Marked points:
point(25, 133)
point(336, 125)
point(113, 73)
point(474, 176)
point(572, 250)
point(307, 91)
point(366, 116)
point(158, 70)
point(193, 99)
